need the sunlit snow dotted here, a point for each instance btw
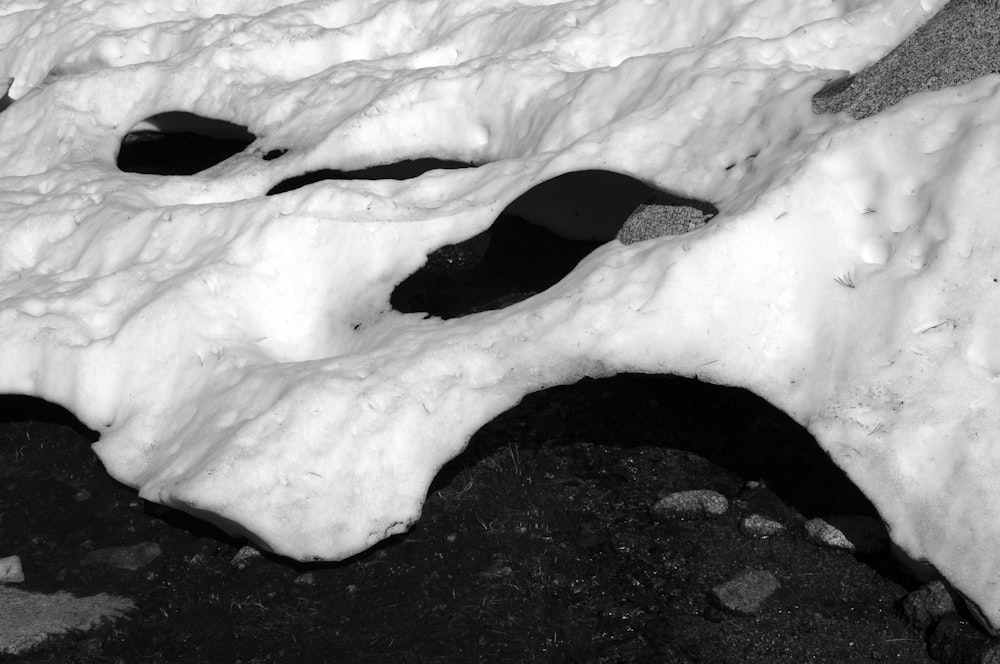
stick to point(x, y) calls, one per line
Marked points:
point(238, 354)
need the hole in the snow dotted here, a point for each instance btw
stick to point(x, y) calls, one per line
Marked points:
point(271, 155)
point(610, 433)
point(510, 262)
point(401, 170)
point(537, 241)
point(20, 409)
point(180, 143)
point(5, 100)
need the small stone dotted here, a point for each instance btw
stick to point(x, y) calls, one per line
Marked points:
point(307, 579)
point(10, 570)
point(696, 503)
point(743, 595)
point(760, 526)
point(244, 557)
point(928, 604)
point(124, 557)
point(857, 534)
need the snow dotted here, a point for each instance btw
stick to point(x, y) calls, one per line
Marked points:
point(238, 353)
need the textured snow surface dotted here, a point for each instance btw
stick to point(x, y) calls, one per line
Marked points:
point(238, 352)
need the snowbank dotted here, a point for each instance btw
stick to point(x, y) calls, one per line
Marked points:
point(238, 352)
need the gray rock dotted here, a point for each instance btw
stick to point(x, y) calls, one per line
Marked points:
point(28, 619)
point(692, 504)
point(760, 526)
point(11, 570)
point(928, 604)
point(306, 579)
point(132, 557)
point(743, 595)
point(246, 555)
point(663, 214)
point(958, 44)
point(857, 534)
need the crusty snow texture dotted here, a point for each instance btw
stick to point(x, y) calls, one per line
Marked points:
point(239, 355)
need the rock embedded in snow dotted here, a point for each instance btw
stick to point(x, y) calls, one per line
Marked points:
point(238, 352)
point(696, 503)
point(960, 43)
point(661, 215)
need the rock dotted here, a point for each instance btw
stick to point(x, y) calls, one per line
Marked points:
point(960, 43)
point(10, 570)
point(925, 606)
point(124, 557)
point(857, 534)
point(306, 579)
point(692, 504)
point(662, 214)
point(28, 619)
point(244, 557)
point(743, 595)
point(954, 641)
point(758, 525)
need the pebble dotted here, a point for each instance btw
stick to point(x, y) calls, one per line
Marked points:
point(857, 534)
point(928, 604)
point(760, 526)
point(245, 556)
point(11, 570)
point(306, 579)
point(132, 557)
point(743, 595)
point(696, 503)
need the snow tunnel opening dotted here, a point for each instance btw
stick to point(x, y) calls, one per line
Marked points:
point(654, 434)
point(17, 410)
point(406, 169)
point(5, 99)
point(180, 143)
point(540, 238)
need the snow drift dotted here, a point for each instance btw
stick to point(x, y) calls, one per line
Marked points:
point(238, 352)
